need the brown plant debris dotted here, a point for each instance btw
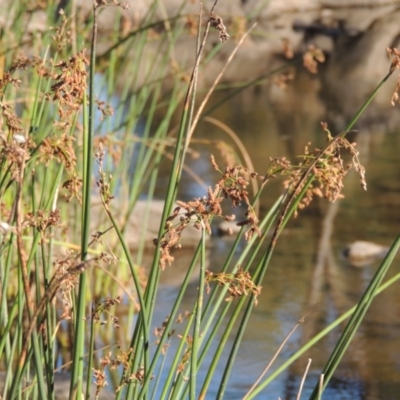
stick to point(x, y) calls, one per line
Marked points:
point(238, 284)
point(218, 24)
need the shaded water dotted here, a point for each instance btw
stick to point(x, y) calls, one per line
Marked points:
point(307, 274)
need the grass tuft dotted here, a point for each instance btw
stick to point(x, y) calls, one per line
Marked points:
point(74, 294)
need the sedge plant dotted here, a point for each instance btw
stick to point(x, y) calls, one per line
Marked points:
point(63, 279)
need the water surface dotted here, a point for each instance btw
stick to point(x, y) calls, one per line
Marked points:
point(303, 276)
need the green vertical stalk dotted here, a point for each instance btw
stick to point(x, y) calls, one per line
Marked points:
point(356, 318)
point(213, 305)
point(315, 340)
point(197, 320)
point(175, 391)
point(79, 334)
point(168, 327)
point(368, 101)
point(91, 352)
point(79, 347)
point(258, 278)
point(177, 165)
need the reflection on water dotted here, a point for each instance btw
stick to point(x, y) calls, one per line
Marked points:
point(307, 272)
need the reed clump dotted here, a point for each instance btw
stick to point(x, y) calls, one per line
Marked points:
point(76, 298)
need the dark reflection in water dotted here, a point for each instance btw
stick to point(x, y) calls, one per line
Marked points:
point(307, 272)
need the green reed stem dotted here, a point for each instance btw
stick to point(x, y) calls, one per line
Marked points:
point(258, 279)
point(368, 102)
point(168, 328)
point(177, 387)
point(357, 317)
point(318, 337)
point(88, 132)
point(177, 165)
point(342, 345)
point(91, 352)
point(197, 321)
point(214, 305)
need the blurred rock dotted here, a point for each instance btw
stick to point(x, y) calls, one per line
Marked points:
point(361, 253)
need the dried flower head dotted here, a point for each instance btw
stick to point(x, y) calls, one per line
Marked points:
point(14, 148)
point(63, 35)
point(73, 185)
point(159, 331)
point(238, 284)
point(112, 363)
point(40, 222)
point(65, 282)
point(59, 147)
point(312, 57)
point(200, 211)
point(282, 80)
point(104, 180)
point(105, 108)
point(394, 55)
point(101, 311)
point(70, 84)
point(217, 23)
point(186, 355)
point(100, 380)
point(328, 169)
point(287, 48)
point(110, 145)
